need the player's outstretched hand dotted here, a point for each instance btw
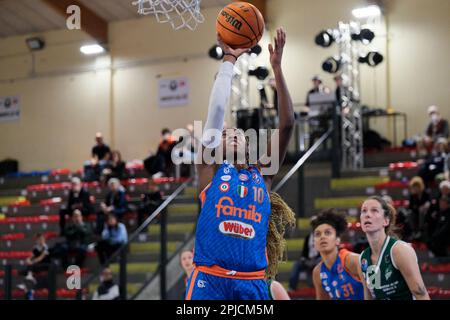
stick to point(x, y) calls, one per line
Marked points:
point(276, 53)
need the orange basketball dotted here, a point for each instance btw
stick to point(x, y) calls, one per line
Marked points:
point(240, 25)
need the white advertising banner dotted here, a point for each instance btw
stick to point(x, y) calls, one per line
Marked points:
point(173, 92)
point(9, 108)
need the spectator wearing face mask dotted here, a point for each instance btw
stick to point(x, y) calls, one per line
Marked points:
point(437, 127)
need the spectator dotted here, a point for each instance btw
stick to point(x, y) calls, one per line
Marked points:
point(318, 87)
point(318, 119)
point(115, 168)
point(402, 224)
point(308, 260)
point(419, 203)
point(107, 290)
point(100, 156)
point(114, 235)
point(440, 237)
point(39, 260)
point(78, 235)
point(433, 213)
point(115, 202)
point(433, 165)
point(160, 164)
point(79, 199)
point(101, 150)
point(437, 128)
point(149, 203)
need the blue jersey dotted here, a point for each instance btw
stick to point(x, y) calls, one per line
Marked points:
point(233, 223)
point(338, 283)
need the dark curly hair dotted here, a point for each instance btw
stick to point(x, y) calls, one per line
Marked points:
point(333, 218)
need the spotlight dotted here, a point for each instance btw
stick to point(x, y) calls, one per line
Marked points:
point(255, 51)
point(365, 36)
point(260, 73)
point(372, 59)
point(324, 39)
point(331, 65)
point(35, 44)
point(370, 11)
point(92, 49)
point(216, 52)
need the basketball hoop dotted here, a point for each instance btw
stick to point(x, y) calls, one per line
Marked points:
point(179, 13)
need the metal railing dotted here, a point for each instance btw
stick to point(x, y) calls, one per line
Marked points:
point(123, 250)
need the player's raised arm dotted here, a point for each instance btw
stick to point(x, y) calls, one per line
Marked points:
point(285, 109)
point(218, 102)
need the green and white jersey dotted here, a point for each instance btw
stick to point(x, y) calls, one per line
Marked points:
point(384, 280)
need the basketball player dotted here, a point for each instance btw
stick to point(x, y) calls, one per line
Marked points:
point(389, 266)
point(230, 246)
point(336, 277)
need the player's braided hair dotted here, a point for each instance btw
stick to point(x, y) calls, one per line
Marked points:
point(281, 217)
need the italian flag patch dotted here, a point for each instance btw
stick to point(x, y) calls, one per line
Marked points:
point(242, 191)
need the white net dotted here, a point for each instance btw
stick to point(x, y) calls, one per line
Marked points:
point(179, 13)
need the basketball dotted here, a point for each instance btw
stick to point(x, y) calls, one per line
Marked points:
point(240, 25)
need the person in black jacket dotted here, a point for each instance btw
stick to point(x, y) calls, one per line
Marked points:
point(116, 168)
point(440, 237)
point(79, 199)
point(78, 235)
point(149, 203)
point(115, 202)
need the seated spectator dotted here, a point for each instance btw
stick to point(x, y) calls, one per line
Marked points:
point(432, 214)
point(116, 168)
point(107, 290)
point(100, 156)
point(308, 260)
point(402, 224)
point(114, 235)
point(77, 235)
point(433, 165)
point(439, 239)
point(79, 199)
point(419, 203)
point(39, 260)
point(101, 150)
point(149, 203)
point(185, 151)
point(160, 163)
point(115, 202)
point(438, 126)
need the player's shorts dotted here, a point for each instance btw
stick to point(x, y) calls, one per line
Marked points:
point(203, 286)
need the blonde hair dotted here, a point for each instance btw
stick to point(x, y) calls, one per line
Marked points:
point(281, 217)
point(417, 182)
